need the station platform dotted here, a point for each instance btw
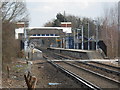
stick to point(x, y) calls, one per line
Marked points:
point(78, 53)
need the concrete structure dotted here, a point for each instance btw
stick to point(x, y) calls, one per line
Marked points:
point(18, 32)
point(35, 54)
point(67, 29)
point(39, 32)
point(46, 36)
point(78, 54)
point(66, 26)
point(21, 25)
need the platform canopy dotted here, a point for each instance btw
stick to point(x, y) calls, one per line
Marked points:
point(65, 29)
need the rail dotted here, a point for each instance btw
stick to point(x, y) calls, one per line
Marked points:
point(101, 68)
point(78, 79)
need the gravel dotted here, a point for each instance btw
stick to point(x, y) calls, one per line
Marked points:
point(100, 82)
point(46, 74)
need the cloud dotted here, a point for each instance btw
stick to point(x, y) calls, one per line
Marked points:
point(42, 9)
point(54, 6)
point(41, 12)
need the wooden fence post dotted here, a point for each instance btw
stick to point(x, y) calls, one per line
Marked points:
point(8, 72)
point(30, 81)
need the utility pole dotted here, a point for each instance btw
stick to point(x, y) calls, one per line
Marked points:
point(82, 39)
point(25, 36)
point(96, 35)
point(88, 37)
point(77, 39)
point(25, 40)
point(74, 38)
point(96, 23)
point(66, 35)
point(56, 41)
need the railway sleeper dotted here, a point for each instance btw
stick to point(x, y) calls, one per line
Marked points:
point(106, 65)
point(83, 83)
point(94, 73)
point(104, 69)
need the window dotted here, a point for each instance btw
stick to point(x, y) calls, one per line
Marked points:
point(34, 34)
point(43, 34)
point(38, 34)
point(51, 35)
point(47, 34)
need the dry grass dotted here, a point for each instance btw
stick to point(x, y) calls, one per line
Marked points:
point(10, 46)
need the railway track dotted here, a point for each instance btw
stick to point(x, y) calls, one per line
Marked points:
point(115, 72)
point(90, 76)
point(98, 70)
point(83, 76)
point(103, 67)
point(84, 83)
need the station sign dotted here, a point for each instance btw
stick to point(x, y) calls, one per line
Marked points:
point(58, 40)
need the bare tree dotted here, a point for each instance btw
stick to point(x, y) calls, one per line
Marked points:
point(13, 11)
point(110, 32)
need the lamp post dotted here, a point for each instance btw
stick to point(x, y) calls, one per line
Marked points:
point(78, 38)
point(96, 22)
point(76, 31)
point(26, 40)
point(82, 46)
point(25, 37)
point(88, 37)
point(74, 38)
point(97, 36)
point(82, 38)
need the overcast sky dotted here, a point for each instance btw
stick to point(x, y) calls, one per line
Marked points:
point(43, 11)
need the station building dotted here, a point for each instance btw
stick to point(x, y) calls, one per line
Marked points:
point(60, 37)
point(46, 36)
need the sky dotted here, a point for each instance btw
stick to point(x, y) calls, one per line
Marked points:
point(43, 11)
